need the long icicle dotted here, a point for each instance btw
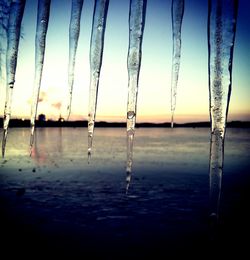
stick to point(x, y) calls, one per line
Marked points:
point(40, 43)
point(4, 15)
point(177, 11)
point(96, 51)
point(74, 31)
point(222, 18)
point(13, 36)
point(137, 15)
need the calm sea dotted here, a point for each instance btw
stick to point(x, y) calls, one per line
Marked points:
point(71, 207)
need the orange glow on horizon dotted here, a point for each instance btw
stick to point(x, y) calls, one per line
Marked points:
point(182, 118)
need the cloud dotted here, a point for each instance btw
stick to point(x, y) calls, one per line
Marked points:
point(57, 105)
point(42, 97)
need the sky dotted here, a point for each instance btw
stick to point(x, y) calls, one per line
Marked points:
point(155, 75)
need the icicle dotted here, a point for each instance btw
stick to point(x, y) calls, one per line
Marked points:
point(13, 36)
point(4, 15)
point(74, 31)
point(41, 31)
point(221, 34)
point(96, 51)
point(177, 11)
point(136, 27)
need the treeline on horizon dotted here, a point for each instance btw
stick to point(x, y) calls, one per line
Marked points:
point(84, 123)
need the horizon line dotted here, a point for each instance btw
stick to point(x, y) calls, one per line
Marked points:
point(15, 122)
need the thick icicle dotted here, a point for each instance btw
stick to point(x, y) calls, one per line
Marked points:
point(96, 51)
point(4, 15)
point(40, 42)
point(177, 11)
point(221, 34)
point(13, 35)
point(74, 31)
point(137, 15)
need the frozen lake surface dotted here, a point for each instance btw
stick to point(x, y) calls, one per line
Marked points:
point(56, 203)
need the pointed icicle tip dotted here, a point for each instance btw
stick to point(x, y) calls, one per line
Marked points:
point(31, 150)
point(127, 187)
point(89, 155)
point(213, 219)
point(4, 142)
point(172, 121)
point(68, 112)
point(31, 140)
point(68, 116)
point(128, 180)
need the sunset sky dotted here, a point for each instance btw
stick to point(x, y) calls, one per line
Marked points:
point(155, 76)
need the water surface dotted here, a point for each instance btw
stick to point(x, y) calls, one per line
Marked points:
point(71, 207)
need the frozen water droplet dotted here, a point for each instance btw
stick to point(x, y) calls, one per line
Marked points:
point(90, 134)
point(11, 84)
point(89, 155)
point(130, 114)
point(99, 27)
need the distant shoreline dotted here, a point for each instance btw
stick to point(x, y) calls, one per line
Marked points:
point(84, 123)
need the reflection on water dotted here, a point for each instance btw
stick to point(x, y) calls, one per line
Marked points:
point(41, 151)
point(157, 151)
point(171, 150)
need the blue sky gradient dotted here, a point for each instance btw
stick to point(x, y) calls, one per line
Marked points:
point(155, 76)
